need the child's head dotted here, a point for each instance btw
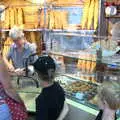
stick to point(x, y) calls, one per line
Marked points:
point(109, 92)
point(45, 67)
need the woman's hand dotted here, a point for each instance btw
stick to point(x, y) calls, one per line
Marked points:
point(11, 69)
point(9, 66)
point(20, 72)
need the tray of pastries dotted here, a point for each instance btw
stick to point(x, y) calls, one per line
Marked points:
point(86, 89)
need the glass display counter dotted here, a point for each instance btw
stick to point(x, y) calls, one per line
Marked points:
point(79, 95)
point(81, 68)
point(76, 109)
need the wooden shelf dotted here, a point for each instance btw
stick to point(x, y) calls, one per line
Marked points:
point(57, 31)
point(70, 30)
point(5, 30)
point(115, 16)
point(69, 55)
point(26, 30)
point(69, 4)
point(33, 30)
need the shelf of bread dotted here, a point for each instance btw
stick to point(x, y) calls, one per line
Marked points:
point(83, 69)
point(37, 17)
point(24, 17)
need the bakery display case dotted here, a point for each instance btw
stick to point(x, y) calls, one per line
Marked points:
point(84, 59)
point(78, 90)
point(83, 64)
point(80, 96)
point(81, 85)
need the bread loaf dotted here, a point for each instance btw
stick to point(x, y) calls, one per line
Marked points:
point(16, 15)
point(20, 16)
point(85, 13)
point(96, 14)
point(12, 17)
point(7, 19)
point(91, 14)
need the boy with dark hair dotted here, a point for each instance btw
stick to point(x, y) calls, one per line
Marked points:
point(50, 102)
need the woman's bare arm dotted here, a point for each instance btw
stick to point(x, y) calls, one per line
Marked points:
point(8, 65)
point(5, 80)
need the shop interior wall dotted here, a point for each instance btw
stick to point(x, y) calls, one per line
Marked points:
point(24, 15)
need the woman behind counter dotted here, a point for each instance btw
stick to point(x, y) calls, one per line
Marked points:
point(19, 50)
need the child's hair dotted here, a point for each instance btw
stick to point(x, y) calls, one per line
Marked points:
point(45, 67)
point(16, 33)
point(110, 92)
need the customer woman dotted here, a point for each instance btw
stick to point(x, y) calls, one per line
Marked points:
point(4, 110)
point(15, 104)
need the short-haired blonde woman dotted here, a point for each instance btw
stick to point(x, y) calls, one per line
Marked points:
point(108, 100)
point(19, 50)
point(9, 95)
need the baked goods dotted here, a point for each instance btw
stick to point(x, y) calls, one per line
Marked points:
point(58, 19)
point(34, 37)
point(7, 21)
point(51, 20)
point(12, 17)
point(31, 16)
point(6, 47)
point(16, 16)
point(79, 87)
point(85, 13)
point(88, 89)
point(39, 42)
point(90, 14)
point(20, 17)
point(87, 63)
point(96, 14)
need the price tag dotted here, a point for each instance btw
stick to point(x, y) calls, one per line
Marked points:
point(79, 96)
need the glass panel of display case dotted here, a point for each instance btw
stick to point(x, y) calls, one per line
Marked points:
point(82, 91)
point(69, 42)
